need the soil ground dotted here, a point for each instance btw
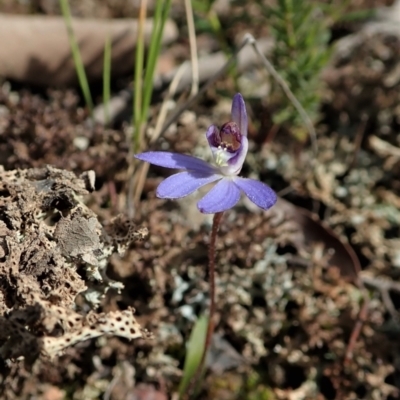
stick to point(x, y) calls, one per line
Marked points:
point(307, 292)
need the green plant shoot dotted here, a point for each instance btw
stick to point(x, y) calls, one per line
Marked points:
point(143, 88)
point(107, 79)
point(194, 352)
point(76, 55)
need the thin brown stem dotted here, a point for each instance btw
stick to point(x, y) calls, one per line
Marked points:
point(211, 278)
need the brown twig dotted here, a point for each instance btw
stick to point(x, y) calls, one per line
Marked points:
point(384, 286)
point(362, 316)
point(179, 110)
point(144, 169)
point(360, 133)
point(193, 47)
point(208, 67)
point(288, 92)
point(113, 195)
point(380, 283)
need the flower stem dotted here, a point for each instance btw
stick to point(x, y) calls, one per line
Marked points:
point(211, 278)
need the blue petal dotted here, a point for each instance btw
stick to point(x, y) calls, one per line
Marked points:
point(259, 193)
point(184, 183)
point(239, 114)
point(223, 196)
point(176, 161)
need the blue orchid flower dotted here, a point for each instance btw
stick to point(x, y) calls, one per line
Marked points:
point(229, 146)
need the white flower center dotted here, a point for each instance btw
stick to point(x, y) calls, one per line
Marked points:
point(221, 156)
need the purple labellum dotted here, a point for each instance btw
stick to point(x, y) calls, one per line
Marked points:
point(229, 137)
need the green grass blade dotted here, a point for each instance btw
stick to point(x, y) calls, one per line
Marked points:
point(153, 40)
point(143, 89)
point(194, 352)
point(76, 55)
point(160, 17)
point(107, 79)
point(153, 51)
point(139, 62)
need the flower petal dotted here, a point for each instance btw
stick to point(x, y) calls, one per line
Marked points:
point(235, 164)
point(239, 114)
point(223, 196)
point(259, 193)
point(176, 161)
point(184, 183)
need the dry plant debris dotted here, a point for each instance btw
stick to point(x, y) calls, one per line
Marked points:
point(53, 249)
